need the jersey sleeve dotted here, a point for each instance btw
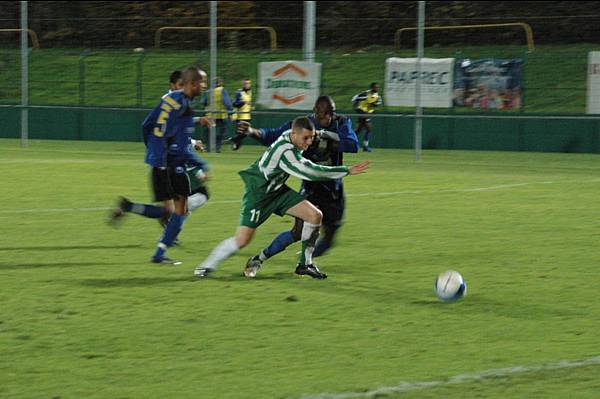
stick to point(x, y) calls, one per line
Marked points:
point(269, 136)
point(226, 101)
point(149, 123)
point(295, 165)
point(348, 140)
point(237, 102)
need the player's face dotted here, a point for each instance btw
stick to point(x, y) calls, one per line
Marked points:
point(375, 88)
point(246, 85)
point(198, 86)
point(302, 140)
point(323, 114)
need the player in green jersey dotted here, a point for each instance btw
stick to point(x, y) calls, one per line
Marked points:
point(266, 193)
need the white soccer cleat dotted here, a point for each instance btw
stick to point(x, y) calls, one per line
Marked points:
point(252, 267)
point(202, 272)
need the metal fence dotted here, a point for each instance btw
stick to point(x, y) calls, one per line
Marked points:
point(104, 54)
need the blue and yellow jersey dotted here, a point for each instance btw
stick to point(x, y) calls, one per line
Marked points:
point(167, 130)
point(243, 104)
point(366, 101)
point(223, 107)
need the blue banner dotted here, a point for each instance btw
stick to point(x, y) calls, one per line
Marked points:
point(488, 83)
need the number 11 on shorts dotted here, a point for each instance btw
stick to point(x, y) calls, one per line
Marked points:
point(254, 215)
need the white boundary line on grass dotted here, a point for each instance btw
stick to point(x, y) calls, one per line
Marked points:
point(458, 379)
point(382, 194)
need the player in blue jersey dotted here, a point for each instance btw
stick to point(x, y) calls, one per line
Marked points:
point(335, 136)
point(197, 176)
point(167, 134)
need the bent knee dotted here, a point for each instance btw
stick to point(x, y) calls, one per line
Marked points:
point(316, 216)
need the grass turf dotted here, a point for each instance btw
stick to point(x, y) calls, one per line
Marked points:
point(84, 314)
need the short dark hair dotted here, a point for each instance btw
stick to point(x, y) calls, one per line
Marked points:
point(328, 101)
point(302, 122)
point(175, 76)
point(191, 74)
point(374, 84)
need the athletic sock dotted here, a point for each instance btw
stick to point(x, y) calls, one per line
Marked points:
point(149, 211)
point(310, 233)
point(171, 231)
point(281, 242)
point(221, 252)
point(196, 201)
point(322, 246)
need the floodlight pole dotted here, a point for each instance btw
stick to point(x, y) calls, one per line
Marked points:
point(213, 71)
point(24, 77)
point(309, 30)
point(419, 109)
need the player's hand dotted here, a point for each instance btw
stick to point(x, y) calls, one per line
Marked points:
point(204, 121)
point(359, 168)
point(203, 176)
point(243, 128)
point(199, 146)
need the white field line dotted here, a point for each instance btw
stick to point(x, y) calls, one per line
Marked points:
point(458, 379)
point(381, 194)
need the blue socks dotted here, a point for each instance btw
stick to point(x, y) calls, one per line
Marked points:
point(171, 231)
point(322, 246)
point(281, 242)
point(149, 211)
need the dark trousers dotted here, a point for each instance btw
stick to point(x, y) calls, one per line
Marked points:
point(221, 128)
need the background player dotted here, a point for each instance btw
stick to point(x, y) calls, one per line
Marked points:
point(365, 103)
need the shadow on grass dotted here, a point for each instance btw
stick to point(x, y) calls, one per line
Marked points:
point(239, 276)
point(39, 265)
point(68, 247)
point(134, 281)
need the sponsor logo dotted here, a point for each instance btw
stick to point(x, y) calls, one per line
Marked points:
point(275, 83)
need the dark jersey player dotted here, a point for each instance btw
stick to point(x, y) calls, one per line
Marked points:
point(167, 134)
point(335, 136)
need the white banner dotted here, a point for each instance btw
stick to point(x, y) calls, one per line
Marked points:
point(593, 83)
point(437, 81)
point(289, 84)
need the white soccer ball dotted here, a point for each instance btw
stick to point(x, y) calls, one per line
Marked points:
point(450, 286)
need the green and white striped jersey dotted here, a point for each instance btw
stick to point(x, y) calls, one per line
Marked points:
point(270, 172)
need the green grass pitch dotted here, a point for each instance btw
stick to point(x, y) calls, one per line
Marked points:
point(83, 314)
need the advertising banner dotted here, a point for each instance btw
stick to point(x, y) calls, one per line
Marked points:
point(289, 84)
point(488, 84)
point(593, 83)
point(436, 82)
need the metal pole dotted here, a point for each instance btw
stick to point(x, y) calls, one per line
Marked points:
point(213, 70)
point(24, 77)
point(419, 109)
point(310, 11)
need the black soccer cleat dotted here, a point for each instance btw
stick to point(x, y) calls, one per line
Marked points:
point(117, 214)
point(310, 270)
point(236, 141)
point(163, 260)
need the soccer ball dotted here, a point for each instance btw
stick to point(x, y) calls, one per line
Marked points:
point(450, 286)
